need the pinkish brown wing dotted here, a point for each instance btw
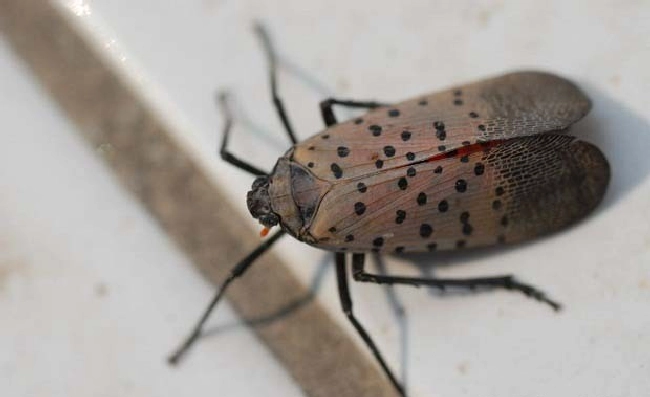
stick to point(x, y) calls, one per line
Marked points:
point(509, 106)
point(518, 189)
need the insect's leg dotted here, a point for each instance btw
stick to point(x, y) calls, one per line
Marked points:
point(222, 100)
point(507, 282)
point(346, 304)
point(277, 102)
point(328, 114)
point(236, 271)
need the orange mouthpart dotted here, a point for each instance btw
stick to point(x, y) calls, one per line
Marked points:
point(264, 232)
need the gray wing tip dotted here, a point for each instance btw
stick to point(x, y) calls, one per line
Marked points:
point(538, 74)
point(574, 185)
point(558, 88)
point(542, 77)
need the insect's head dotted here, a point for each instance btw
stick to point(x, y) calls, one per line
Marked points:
point(259, 202)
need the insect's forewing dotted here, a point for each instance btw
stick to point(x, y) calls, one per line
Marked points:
point(505, 192)
point(509, 106)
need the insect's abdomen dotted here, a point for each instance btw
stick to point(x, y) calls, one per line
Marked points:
point(507, 192)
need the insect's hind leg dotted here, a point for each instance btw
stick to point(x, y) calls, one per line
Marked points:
point(507, 282)
point(237, 271)
point(328, 114)
point(346, 305)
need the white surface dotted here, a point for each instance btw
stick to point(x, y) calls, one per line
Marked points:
point(496, 344)
point(92, 295)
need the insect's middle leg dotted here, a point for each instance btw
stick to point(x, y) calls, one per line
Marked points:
point(507, 282)
point(328, 114)
point(346, 304)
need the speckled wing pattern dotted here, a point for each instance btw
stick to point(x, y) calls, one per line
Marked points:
point(509, 106)
point(461, 168)
point(510, 192)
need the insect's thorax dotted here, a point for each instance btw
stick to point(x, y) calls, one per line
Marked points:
point(294, 194)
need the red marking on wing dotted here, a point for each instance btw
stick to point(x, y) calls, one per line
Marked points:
point(466, 150)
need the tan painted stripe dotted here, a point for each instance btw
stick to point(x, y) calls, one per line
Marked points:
point(320, 356)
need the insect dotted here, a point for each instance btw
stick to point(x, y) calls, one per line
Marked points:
point(476, 165)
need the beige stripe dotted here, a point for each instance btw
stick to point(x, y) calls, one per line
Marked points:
point(320, 356)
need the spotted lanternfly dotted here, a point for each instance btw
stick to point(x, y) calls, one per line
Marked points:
point(476, 165)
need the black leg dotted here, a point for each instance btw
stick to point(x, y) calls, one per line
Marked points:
point(225, 154)
point(507, 282)
point(279, 106)
point(328, 114)
point(346, 304)
point(237, 271)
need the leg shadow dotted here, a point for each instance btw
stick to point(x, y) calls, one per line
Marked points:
point(320, 271)
point(400, 316)
point(623, 136)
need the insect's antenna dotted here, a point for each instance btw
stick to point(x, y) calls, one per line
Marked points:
point(260, 30)
point(236, 271)
point(222, 102)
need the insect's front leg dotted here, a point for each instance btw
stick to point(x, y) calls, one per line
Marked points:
point(226, 155)
point(272, 60)
point(507, 282)
point(346, 305)
point(328, 114)
point(237, 271)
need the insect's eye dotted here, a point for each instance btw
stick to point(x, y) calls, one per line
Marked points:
point(269, 220)
point(260, 181)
